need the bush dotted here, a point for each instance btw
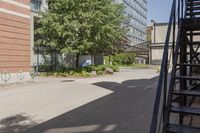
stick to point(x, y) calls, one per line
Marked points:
point(99, 72)
point(114, 64)
point(82, 72)
point(121, 59)
point(90, 68)
point(108, 59)
point(101, 68)
point(116, 68)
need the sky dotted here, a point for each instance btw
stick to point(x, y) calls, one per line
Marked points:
point(159, 10)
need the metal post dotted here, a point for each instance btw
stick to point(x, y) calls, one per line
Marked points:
point(37, 59)
point(183, 72)
point(154, 29)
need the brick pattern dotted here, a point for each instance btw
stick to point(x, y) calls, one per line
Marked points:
point(14, 8)
point(27, 2)
point(14, 38)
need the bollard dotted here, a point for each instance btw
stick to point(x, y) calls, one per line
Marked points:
point(33, 74)
point(5, 76)
point(20, 75)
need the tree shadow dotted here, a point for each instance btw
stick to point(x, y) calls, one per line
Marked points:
point(127, 110)
point(16, 124)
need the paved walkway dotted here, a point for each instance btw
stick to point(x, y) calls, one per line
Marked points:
point(120, 103)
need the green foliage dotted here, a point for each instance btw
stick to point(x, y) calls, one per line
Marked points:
point(90, 68)
point(70, 73)
point(158, 70)
point(81, 71)
point(101, 68)
point(82, 26)
point(121, 59)
point(124, 59)
point(99, 72)
point(114, 64)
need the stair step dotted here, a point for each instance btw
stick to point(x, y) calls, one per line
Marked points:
point(193, 0)
point(195, 3)
point(198, 53)
point(193, 8)
point(196, 43)
point(194, 65)
point(186, 110)
point(191, 24)
point(187, 92)
point(188, 77)
point(194, 34)
point(182, 129)
point(193, 13)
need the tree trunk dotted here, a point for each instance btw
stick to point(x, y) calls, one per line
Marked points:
point(77, 60)
point(110, 62)
point(55, 61)
point(92, 60)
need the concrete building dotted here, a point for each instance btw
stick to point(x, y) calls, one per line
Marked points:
point(158, 37)
point(136, 10)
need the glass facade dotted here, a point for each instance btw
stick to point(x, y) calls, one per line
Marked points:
point(136, 10)
point(36, 5)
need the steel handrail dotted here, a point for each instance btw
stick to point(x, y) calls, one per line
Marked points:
point(162, 82)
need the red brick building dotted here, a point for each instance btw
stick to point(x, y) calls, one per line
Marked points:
point(15, 48)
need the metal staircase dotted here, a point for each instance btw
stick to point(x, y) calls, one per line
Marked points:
point(177, 102)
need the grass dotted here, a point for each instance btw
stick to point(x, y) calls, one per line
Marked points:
point(136, 66)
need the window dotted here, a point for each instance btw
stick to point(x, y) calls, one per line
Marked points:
point(36, 5)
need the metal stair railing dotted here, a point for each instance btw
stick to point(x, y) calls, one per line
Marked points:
point(177, 13)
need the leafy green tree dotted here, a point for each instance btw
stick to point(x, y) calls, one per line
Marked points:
point(82, 26)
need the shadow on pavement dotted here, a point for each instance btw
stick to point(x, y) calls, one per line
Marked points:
point(127, 110)
point(16, 124)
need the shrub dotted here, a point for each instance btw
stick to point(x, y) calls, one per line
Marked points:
point(114, 64)
point(90, 68)
point(101, 68)
point(116, 68)
point(82, 72)
point(124, 58)
point(108, 59)
point(99, 72)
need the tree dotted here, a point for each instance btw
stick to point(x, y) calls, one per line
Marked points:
point(82, 26)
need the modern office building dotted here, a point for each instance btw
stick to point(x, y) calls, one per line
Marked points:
point(136, 10)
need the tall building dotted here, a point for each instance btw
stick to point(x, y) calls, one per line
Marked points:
point(136, 10)
point(17, 19)
point(15, 36)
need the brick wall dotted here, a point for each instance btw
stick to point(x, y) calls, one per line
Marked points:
point(14, 35)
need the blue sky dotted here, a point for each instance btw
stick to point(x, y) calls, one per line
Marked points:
point(159, 10)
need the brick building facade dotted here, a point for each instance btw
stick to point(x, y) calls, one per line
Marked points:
point(15, 48)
